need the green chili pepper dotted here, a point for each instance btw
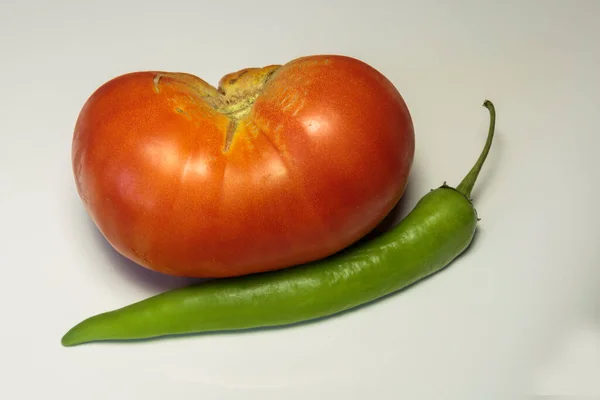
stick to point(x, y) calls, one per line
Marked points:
point(434, 233)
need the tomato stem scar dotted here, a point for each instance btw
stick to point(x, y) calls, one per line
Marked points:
point(237, 93)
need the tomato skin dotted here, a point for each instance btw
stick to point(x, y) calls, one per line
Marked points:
point(320, 157)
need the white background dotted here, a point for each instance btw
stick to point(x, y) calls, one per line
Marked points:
point(516, 317)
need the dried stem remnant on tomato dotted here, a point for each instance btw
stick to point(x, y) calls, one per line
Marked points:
point(234, 96)
point(239, 91)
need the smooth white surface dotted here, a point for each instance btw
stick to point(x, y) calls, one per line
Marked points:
point(518, 316)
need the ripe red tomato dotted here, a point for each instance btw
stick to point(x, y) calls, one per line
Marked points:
point(277, 166)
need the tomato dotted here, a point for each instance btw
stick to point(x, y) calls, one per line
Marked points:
point(276, 166)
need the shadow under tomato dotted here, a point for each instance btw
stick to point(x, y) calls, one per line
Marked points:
point(151, 280)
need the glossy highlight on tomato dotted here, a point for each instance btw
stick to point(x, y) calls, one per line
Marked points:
point(274, 167)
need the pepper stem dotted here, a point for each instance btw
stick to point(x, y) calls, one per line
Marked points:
point(466, 185)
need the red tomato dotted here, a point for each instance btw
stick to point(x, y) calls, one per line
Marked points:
point(277, 166)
